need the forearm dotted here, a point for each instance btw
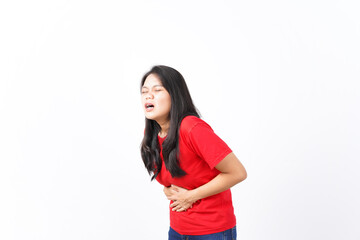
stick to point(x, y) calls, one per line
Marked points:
point(220, 183)
point(231, 173)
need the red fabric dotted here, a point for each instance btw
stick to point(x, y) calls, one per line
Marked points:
point(200, 151)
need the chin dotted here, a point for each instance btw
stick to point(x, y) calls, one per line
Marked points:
point(149, 117)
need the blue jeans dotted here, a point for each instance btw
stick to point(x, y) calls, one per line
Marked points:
point(229, 234)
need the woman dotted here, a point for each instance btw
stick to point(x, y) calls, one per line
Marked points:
point(183, 153)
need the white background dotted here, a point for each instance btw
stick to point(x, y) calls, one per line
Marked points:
point(277, 80)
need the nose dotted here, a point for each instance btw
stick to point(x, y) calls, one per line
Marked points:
point(149, 95)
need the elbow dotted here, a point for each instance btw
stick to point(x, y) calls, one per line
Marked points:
point(241, 176)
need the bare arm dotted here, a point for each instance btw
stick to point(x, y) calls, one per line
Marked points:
point(231, 173)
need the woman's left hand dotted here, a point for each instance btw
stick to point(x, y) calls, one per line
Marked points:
point(181, 197)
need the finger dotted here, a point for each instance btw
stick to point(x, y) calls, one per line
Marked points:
point(173, 191)
point(176, 208)
point(175, 205)
point(182, 210)
point(172, 198)
point(178, 188)
point(174, 187)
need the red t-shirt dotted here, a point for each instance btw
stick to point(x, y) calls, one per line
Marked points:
point(200, 151)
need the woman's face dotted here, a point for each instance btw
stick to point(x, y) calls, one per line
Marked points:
point(155, 100)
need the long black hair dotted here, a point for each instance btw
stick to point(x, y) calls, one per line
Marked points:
point(181, 106)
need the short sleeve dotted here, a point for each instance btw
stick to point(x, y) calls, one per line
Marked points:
point(206, 144)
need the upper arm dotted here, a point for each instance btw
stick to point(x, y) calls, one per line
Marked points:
point(203, 141)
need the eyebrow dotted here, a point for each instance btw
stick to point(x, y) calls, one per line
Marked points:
point(153, 86)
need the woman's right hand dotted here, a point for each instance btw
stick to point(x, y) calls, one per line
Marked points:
point(181, 198)
point(167, 191)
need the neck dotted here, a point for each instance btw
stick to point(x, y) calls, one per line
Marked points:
point(164, 128)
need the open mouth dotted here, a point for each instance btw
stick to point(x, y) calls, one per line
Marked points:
point(149, 106)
